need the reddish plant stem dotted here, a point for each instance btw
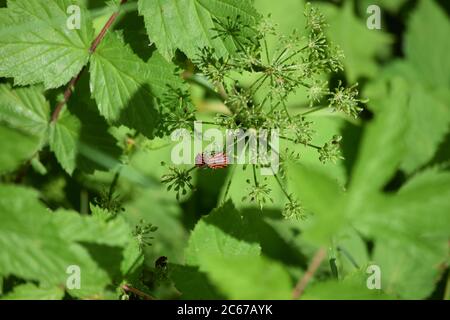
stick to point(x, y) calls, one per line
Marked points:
point(93, 47)
point(138, 292)
point(312, 268)
point(67, 95)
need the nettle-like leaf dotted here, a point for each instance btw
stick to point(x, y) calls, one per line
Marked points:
point(353, 287)
point(36, 45)
point(16, 147)
point(360, 45)
point(412, 228)
point(74, 138)
point(382, 147)
point(244, 277)
point(397, 222)
point(73, 227)
point(30, 291)
point(24, 115)
point(428, 74)
point(313, 186)
point(188, 24)
point(223, 232)
point(33, 248)
point(429, 54)
point(25, 109)
point(122, 83)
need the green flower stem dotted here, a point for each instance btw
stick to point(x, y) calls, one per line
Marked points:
point(314, 110)
point(307, 144)
point(282, 186)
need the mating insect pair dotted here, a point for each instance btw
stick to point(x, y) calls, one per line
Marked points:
point(217, 160)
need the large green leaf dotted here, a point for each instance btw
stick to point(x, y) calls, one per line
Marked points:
point(25, 109)
point(361, 46)
point(411, 229)
point(17, 147)
point(427, 45)
point(187, 24)
point(223, 232)
point(353, 287)
point(29, 291)
point(72, 139)
point(382, 147)
point(120, 88)
point(321, 195)
point(33, 248)
point(24, 115)
point(75, 227)
point(428, 114)
point(36, 46)
point(409, 270)
point(244, 277)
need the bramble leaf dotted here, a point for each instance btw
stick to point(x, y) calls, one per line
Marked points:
point(120, 87)
point(429, 54)
point(33, 248)
point(360, 45)
point(72, 139)
point(223, 232)
point(30, 291)
point(25, 109)
point(187, 24)
point(17, 147)
point(244, 277)
point(36, 45)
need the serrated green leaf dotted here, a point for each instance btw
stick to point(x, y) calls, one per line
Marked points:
point(321, 195)
point(361, 46)
point(411, 229)
point(120, 87)
point(223, 232)
point(16, 147)
point(75, 227)
point(29, 291)
point(161, 75)
point(33, 249)
point(187, 24)
point(352, 288)
point(428, 123)
point(427, 45)
point(418, 210)
point(25, 109)
point(428, 114)
point(36, 46)
point(246, 277)
point(193, 283)
point(133, 262)
point(73, 137)
point(24, 115)
point(351, 252)
point(409, 269)
point(381, 148)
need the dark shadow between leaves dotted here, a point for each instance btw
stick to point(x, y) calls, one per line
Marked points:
point(352, 136)
point(141, 112)
point(107, 257)
point(272, 244)
point(205, 197)
point(192, 283)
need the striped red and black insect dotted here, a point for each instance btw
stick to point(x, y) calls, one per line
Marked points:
point(217, 160)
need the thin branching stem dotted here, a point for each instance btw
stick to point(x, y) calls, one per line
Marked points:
point(72, 84)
